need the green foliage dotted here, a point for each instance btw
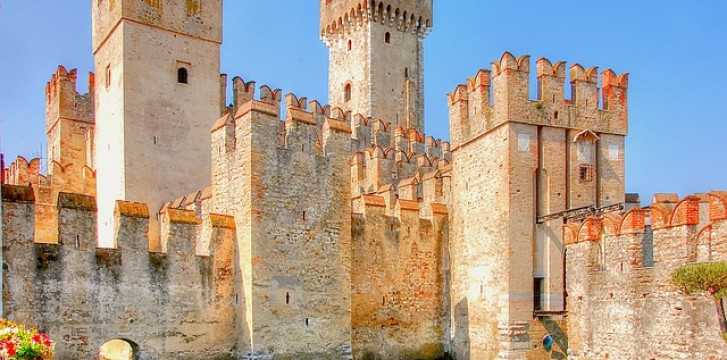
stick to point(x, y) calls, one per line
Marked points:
point(711, 277)
point(539, 105)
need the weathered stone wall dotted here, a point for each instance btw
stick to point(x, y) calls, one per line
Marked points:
point(398, 279)
point(294, 224)
point(619, 309)
point(173, 305)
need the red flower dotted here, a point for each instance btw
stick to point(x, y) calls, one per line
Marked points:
point(42, 339)
point(9, 346)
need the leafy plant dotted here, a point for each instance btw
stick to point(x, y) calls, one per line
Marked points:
point(18, 343)
point(539, 105)
point(710, 278)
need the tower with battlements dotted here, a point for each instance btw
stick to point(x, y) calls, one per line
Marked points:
point(376, 57)
point(519, 168)
point(153, 59)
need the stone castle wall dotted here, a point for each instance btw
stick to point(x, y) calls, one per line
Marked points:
point(621, 303)
point(176, 304)
point(287, 185)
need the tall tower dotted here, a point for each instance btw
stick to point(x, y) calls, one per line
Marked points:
point(376, 56)
point(157, 94)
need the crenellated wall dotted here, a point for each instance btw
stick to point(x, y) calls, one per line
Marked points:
point(399, 273)
point(287, 185)
point(508, 84)
point(173, 304)
point(621, 303)
point(400, 158)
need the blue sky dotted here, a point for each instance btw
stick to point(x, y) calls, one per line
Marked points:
point(675, 52)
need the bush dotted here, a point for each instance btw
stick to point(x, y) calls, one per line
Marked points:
point(18, 343)
point(710, 277)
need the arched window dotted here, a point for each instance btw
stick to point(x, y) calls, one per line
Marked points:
point(387, 38)
point(182, 76)
point(347, 93)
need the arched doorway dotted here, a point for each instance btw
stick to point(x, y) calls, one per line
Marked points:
point(118, 349)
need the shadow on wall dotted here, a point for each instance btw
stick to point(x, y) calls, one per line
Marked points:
point(461, 342)
point(559, 336)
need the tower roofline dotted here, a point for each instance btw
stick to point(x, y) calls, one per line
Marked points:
point(337, 15)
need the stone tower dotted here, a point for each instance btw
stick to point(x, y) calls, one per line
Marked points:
point(542, 161)
point(153, 59)
point(70, 129)
point(376, 57)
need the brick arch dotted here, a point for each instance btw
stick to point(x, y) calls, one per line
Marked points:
point(611, 224)
point(634, 221)
point(718, 205)
point(686, 212)
point(660, 216)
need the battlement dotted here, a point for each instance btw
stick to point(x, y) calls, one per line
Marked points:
point(301, 130)
point(620, 267)
point(193, 277)
point(183, 228)
point(63, 79)
point(63, 101)
point(28, 173)
point(376, 168)
point(339, 17)
point(369, 132)
point(685, 231)
point(500, 95)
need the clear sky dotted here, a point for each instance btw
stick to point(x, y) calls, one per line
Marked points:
point(675, 52)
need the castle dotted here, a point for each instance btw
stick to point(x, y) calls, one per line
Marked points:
point(342, 231)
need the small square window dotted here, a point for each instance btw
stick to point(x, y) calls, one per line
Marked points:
point(585, 174)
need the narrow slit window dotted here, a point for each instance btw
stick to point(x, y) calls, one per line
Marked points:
point(350, 45)
point(108, 76)
point(387, 38)
point(347, 92)
point(182, 76)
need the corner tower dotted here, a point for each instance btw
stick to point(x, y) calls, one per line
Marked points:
point(376, 56)
point(158, 88)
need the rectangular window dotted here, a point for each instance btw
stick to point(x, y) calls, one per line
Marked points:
point(585, 174)
point(538, 292)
